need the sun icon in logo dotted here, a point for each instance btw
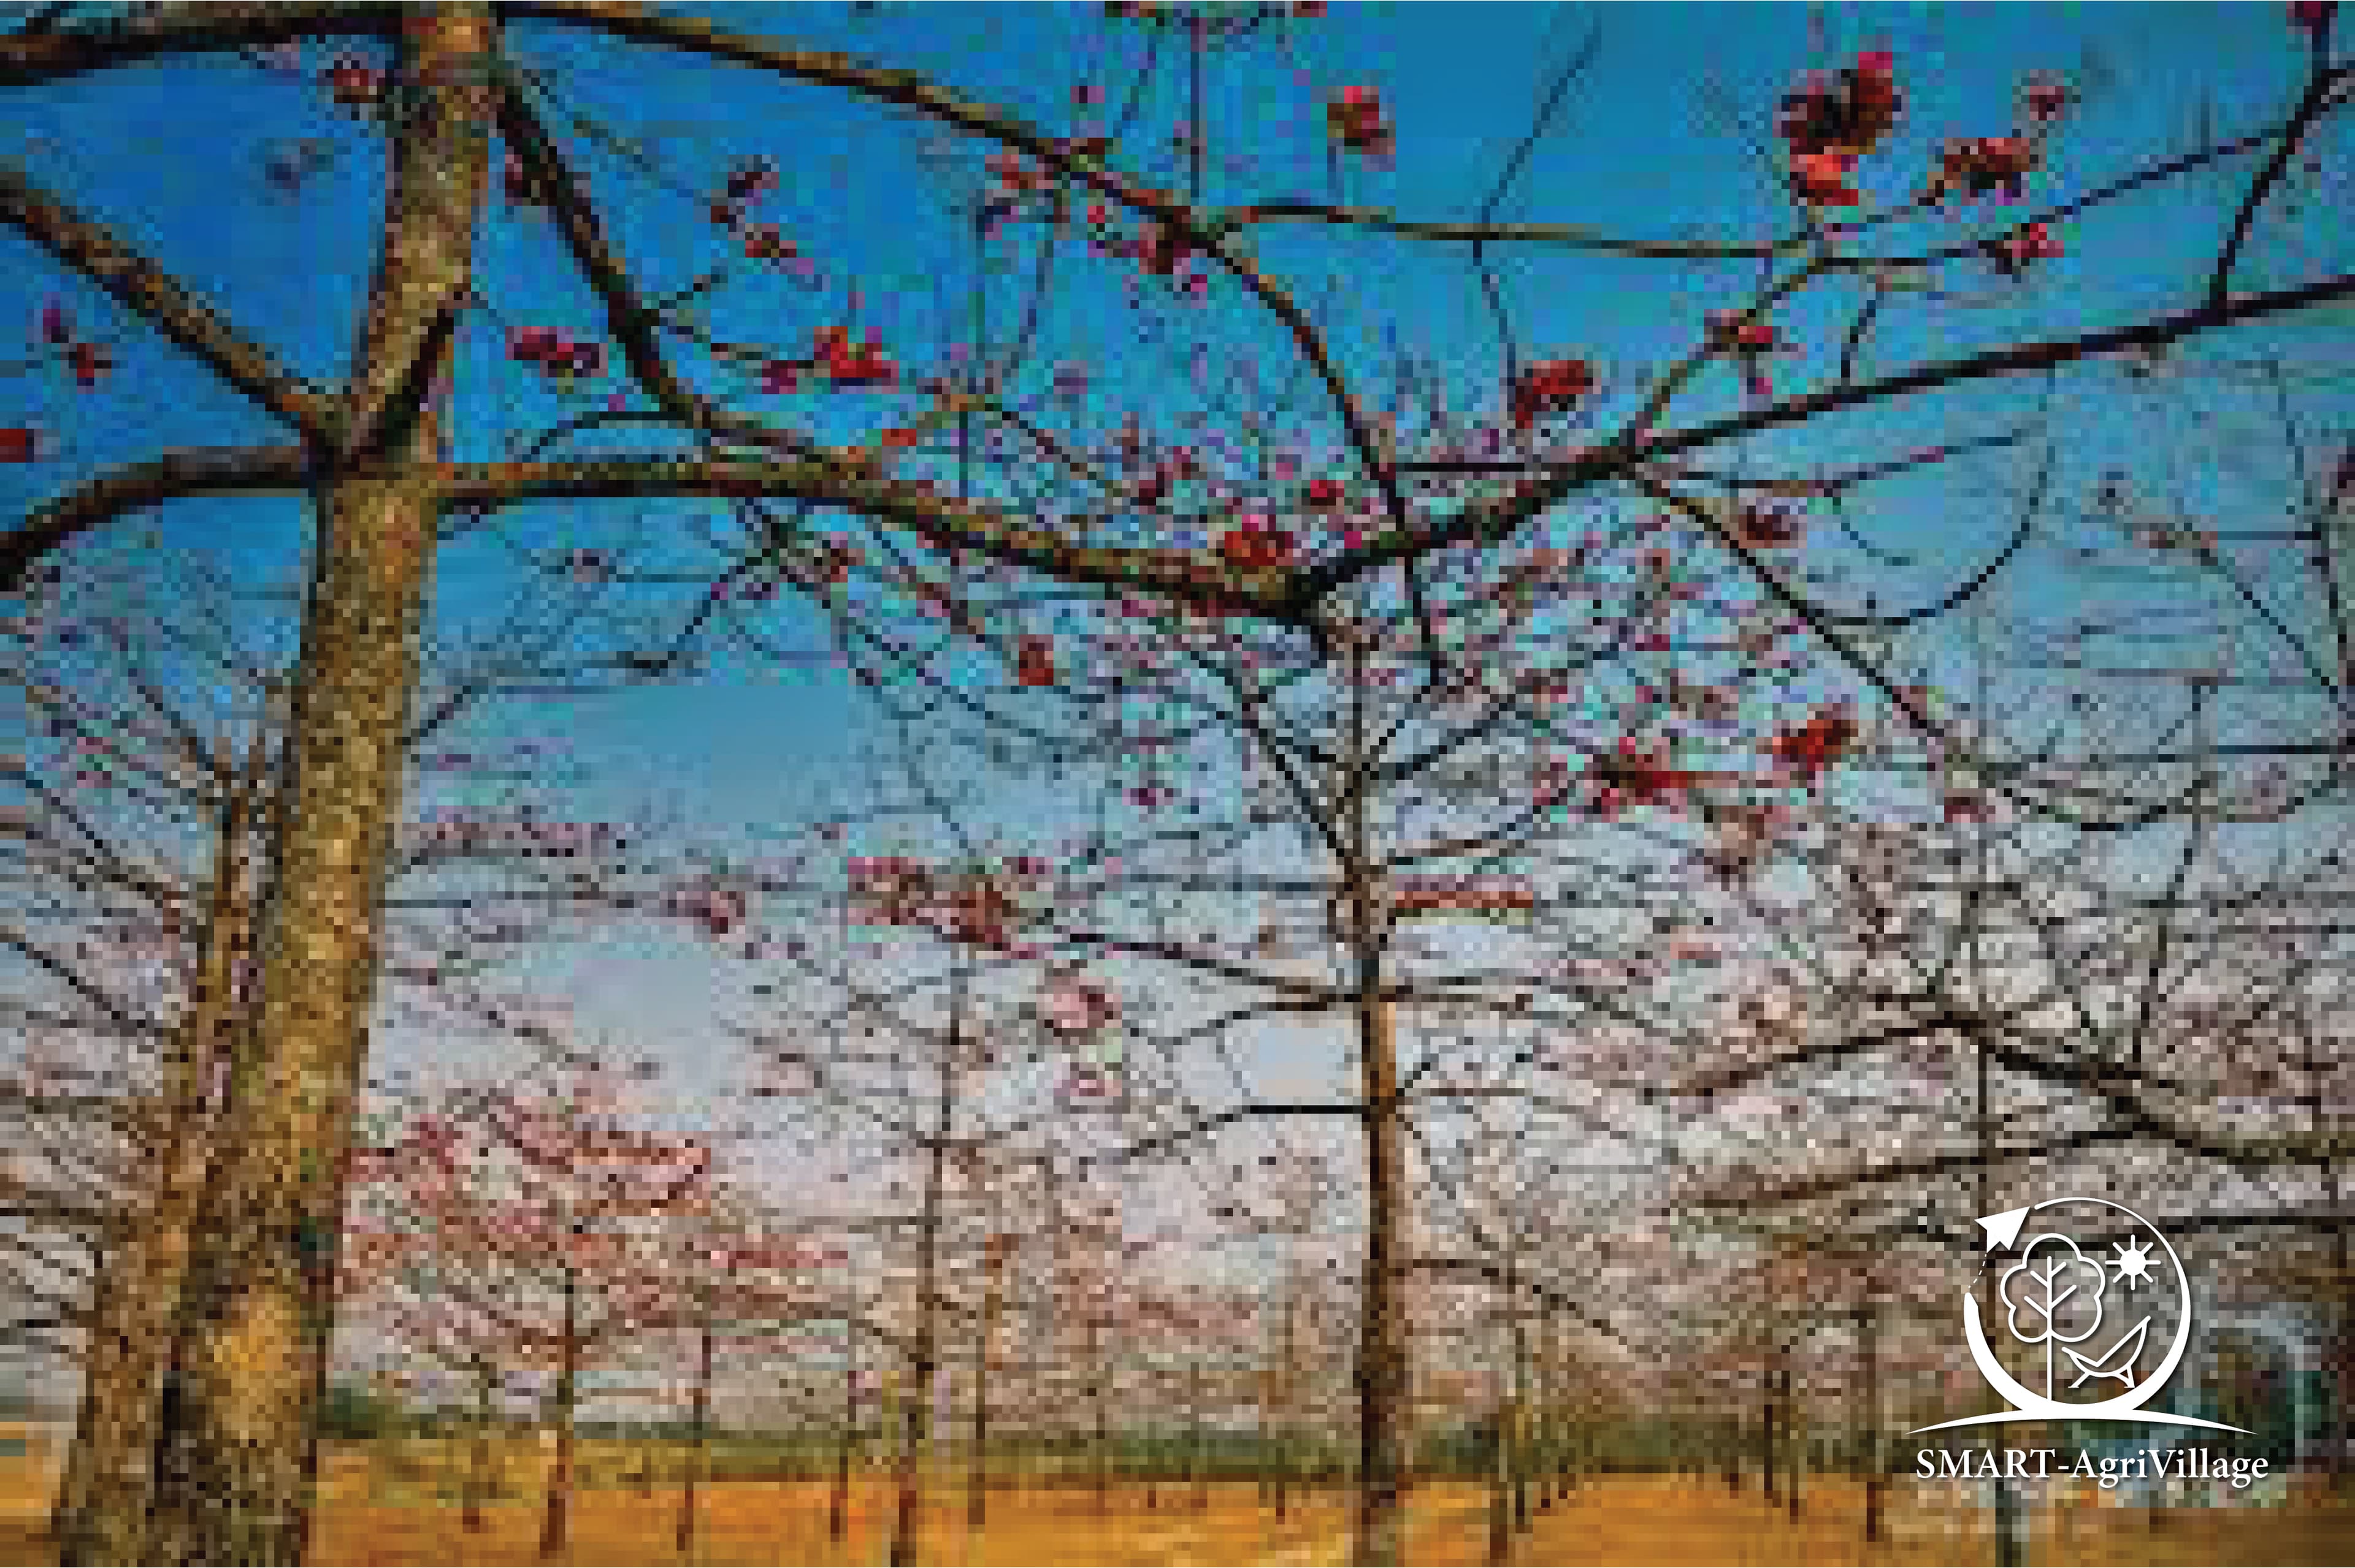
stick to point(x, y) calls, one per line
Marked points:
point(2133, 1262)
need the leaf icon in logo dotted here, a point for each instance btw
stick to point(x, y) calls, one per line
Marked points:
point(2118, 1361)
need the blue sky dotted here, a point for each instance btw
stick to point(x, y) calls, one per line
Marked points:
point(1668, 134)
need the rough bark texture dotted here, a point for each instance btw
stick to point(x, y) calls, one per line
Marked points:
point(100, 1514)
point(240, 1456)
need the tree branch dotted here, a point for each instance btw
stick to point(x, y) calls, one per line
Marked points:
point(93, 250)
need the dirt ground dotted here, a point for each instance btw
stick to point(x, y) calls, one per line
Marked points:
point(1638, 1519)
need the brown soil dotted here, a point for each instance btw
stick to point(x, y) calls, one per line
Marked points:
point(368, 1519)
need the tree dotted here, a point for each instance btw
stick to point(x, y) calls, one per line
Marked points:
point(368, 453)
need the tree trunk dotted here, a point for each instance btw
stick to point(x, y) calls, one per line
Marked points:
point(1199, 1474)
point(976, 1481)
point(837, 1510)
point(556, 1523)
point(1381, 1348)
point(1506, 1416)
point(1795, 1443)
point(253, 1333)
point(100, 1514)
point(916, 1418)
point(1875, 1482)
point(1103, 1421)
point(699, 1439)
point(478, 1484)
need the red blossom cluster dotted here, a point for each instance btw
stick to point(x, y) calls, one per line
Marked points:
point(1355, 118)
point(1547, 387)
point(1731, 332)
point(1830, 122)
point(2032, 242)
point(978, 908)
point(1640, 776)
point(1768, 527)
point(86, 359)
point(556, 353)
point(1257, 544)
point(1979, 164)
point(353, 82)
point(1034, 661)
point(865, 366)
point(1816, 745)
point(1848, 113)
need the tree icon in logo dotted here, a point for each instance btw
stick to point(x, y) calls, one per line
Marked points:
point(2036, 1287)
point(2054, 1296)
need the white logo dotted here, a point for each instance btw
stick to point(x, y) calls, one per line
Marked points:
point(2057, 1296)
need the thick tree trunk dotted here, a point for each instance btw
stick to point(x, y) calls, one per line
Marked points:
point(253, 1332)
point(556, 1522)
point(103, 1502)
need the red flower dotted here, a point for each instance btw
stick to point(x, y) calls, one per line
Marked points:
point(1822, 740)
point(1851, 113)
point(1728, 331)
point(532, 345)
point(866, 365)
point(2043, 96)
point(578, 359)
point(1354, 117)
point(1547, 387)
point(779, 376)
point(1034, 662)
point(89, 360)
point(354, 83)
point(1768, 527)
point(2313, 16)
point(767, 242)
point(1255, 550)
point(2032, 243)
point(1820, 179)
point(1983, 164)
point(17, 446)
point(1324, 492)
